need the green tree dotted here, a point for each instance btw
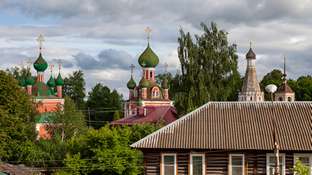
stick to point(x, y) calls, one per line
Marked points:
point(273, 77)
point(16, 117)
point(74, 87)
point(300, 169)
point(208, 69)
point(303, 88)
point(19, 73)
point(103, 104)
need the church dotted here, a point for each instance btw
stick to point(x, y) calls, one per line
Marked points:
point(148, 101)
point(47, 96)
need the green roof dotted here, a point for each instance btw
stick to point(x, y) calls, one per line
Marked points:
point(59, 80)
point(144, 83)
point(148, 58)
point(41, 89)
point(46, 117)
point(22, 82)
point(51, 82)
point(40, 64)
point(30, 80)
point(131, 83)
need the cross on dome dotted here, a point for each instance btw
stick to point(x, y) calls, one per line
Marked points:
point(132, 68)
point(40, 40)
point(148, 31)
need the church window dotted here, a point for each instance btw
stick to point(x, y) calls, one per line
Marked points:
point(280, 99)
point(155, 92)
point(151, 74)
point(289, 99)
point(250, 98)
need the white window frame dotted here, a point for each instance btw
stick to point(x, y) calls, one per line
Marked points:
point(296, 155)
point(163, 160)
point(268, 155)
point(191, 162)
point(230, 162)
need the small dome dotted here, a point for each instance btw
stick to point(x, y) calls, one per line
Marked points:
point(22, 82)
point(30, 81)
point(51, 82)
point(148, 58)
point(144, 83)
point(59, 80)
point(250, 54)
point(131, 83)
point(164, 83)
point(40, 64)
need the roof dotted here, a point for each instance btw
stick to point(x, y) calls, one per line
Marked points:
point(284, 88)
point(250, 82)
point(237, 126)
point(251, 54)
point(6, 169)
point(157, 114)
point(148, 58)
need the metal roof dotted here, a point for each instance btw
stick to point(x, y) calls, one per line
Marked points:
point(237, 126)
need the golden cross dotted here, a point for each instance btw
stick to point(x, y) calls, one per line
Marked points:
point(250, 44)
point(40, 40)
point(51, 67)
point(148, 31)
point(59, 61)
point(132, 68)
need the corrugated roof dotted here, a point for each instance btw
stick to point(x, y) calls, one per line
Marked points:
point(237, 126)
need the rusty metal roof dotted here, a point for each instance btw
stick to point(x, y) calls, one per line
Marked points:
point(237, 126)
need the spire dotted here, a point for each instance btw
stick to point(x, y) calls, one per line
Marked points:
point(40, 40)
point(148, 31)
point(148, 59)
point(284, 73)
point(250, 54)
point(59, 80)
point(40, 64)
point(131, 83)
point(51, 81)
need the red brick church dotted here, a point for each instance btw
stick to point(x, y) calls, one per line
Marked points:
point(148, 101)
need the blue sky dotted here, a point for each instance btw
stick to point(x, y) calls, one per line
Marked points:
point(104, 37)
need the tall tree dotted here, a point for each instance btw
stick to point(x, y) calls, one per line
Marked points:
point(74, 87)
point(16, 116)
point(208, 67)
point(274, 77)
point(302, 88)
point(104, 105)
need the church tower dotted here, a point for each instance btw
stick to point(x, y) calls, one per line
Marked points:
point(284, 92)
point(251, 89)
point(148, 100)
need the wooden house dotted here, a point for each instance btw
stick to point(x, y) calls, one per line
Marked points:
point(231, 138)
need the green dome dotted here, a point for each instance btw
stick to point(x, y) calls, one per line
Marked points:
point(59, 80)
point(144, 83)
point(40, 64)
point(41, 89)
point(30, 81)
point(22, 82)
point(148, 58)
point(51, 82)
point(131, 83)
point(164, 83)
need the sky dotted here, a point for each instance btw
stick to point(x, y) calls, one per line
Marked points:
point(102, 38)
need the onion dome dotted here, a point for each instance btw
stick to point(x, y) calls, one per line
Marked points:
point(40, 64)
point(59, 80)
point(250, 54)
point(30, 81)
point(144, 83)
point(164, 83)
point(22, 82)
point(148, 58)
point(131, 83)
point(51, 82)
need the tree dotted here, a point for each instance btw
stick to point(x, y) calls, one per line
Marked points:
point(300, 169)
point(103, 103)
point(208, 67)
point(16, 117)
point(273, 77)
point(19, 73)
point(106, 151)
point(74, 87)
point(302, 88)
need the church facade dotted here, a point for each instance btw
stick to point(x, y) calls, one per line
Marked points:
point(148, 101)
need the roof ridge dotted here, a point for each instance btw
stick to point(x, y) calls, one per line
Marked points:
point(186, 116)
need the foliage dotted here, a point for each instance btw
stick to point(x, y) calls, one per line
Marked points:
point(19, 73)
point(16, 126)
point(274, 77)
point(208, 67)
point(70, 122)
point(106, 151)
point(104, 104)
point(300, 169)
point(303, 88)
point(74, 87)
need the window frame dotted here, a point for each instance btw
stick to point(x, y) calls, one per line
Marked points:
point(230, 163)
point(162, 165)
point(296, 155)
point(268, 155)
point(203, 165)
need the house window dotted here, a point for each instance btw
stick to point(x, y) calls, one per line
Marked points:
point(270, 165)
point(306, 159)
point(197, 165)
point(236, 164)
point(289, 99)
point(168, 165)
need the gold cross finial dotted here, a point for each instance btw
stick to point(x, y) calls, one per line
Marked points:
point(40, 40)
point(148, 31)
point(51, 68)
point(59, 61)
point(250, 44)
point(132, 68)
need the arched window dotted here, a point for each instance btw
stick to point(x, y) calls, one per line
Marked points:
point(155, 92)
point(289, 99)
